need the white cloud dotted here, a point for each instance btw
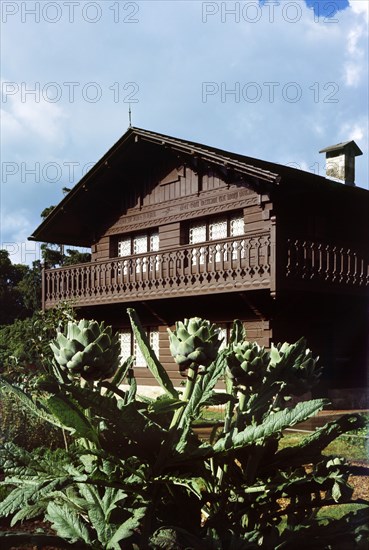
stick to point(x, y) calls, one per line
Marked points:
point(32, 118)
point(352, 40)
point(355, 131)
point(360, 7)
point(16, 224)
point(15, 229)
point(355, 67)
point(353, 72)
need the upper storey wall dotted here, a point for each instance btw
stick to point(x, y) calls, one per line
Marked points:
point(169, 202)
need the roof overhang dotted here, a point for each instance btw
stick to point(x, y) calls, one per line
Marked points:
point(85, 212)
point(77, 219)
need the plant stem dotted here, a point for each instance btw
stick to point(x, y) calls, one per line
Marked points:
point(190, 384)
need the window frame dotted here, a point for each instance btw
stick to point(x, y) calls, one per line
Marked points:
point(208, 221)
point(153, 334)
point(198, 256)
point(154, 233)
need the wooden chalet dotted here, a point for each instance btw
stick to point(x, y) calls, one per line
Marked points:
point(180, 229)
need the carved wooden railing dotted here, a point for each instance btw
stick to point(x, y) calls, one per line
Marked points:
point(220, 266)
point(337, 265)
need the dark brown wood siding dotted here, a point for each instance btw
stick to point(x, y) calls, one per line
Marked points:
point(101, 249)
point(178, 196)
point(169, 235)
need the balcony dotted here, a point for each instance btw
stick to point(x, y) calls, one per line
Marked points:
point(234, 264)
point(312, 265)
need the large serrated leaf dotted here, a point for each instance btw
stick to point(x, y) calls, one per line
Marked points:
point(193, 484)
point(71, 417)
point(15, 500)
point(34, 406)
point(29, 512)
point(238, 332)
point(164, 405)
point(110, 499)
point(29, 492)
point(274, 424)
point(312, 445)
point(203, 390)
point(156, 368)
point(67, 523)
point(127, 528)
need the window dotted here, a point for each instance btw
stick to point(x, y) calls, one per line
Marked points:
point(129, 346)
point(215, 229)
point(139, 244)
point(198, 235)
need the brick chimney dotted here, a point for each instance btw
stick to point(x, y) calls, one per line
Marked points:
point(340, 161)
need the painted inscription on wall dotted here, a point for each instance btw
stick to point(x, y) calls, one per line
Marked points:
point(182, 209)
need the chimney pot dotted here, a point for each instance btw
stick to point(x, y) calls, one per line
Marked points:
point(340, 161)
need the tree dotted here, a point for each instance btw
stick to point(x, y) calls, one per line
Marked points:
point(30, 287)
point(54, 255)
point(12, 304)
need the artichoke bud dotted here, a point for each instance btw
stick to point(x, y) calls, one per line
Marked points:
point(87, 349)
point(194, 342)
point(304, 374)
point(246, 363)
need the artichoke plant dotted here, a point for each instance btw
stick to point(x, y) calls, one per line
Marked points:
point(297, 366)
point(87, 349)
point(194, 343)
point(247, 363)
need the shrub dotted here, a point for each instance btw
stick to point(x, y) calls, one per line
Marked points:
point(25, 355)
point(19, 425)
point(25, 345)
point(139, 477)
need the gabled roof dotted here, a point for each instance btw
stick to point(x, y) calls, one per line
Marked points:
point(344, 146)
point(211, 154)
point(77, 218)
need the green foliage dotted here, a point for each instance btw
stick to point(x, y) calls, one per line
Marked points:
point(30, 287)
point(25, 345)
point(15, 302)
point(155, 366)
point(25, 355)
point(73, 257)
point(138, 476)
point(21, 426)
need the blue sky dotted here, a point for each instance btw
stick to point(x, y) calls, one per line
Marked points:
point(277, 80)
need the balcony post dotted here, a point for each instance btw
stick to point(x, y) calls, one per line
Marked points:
point(273, 258)
point(43, 290)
